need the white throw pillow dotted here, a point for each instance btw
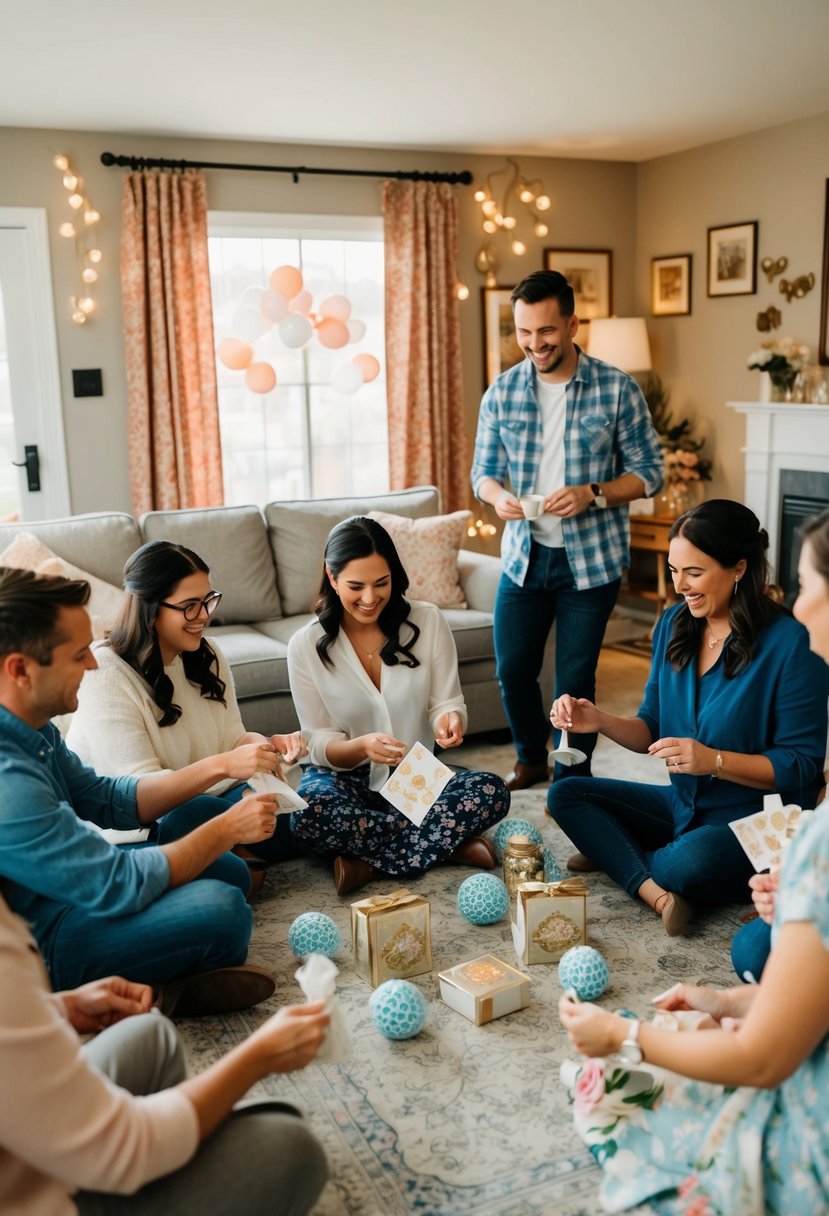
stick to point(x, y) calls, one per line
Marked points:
point(27, 552)
point(428, 548)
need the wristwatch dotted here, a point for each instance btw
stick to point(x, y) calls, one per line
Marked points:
point(599, 499)
point(630, 1051)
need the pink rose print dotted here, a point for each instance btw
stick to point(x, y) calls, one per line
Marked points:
point(589, 1089)
point(688, 1186)
point(698, 1207)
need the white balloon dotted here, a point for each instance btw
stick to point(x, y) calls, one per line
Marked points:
point(347, 379)
point(356, 330)
point(250, 297)
point(248, 323)
point(295, 330)
point(273, 305)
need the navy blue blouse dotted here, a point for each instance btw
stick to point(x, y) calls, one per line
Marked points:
point(776, 707)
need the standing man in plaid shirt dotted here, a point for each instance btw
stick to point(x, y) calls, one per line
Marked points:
point(579, 432)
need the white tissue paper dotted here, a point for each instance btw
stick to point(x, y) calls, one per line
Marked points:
point(286, 798)
point(317, 977)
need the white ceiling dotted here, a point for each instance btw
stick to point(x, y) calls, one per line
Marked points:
point(606, 79)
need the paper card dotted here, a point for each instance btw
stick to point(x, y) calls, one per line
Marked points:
point(416, 784)
point(765, 834)
point(286, 799)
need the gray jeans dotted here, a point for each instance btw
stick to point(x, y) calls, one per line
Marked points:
point(263, 1159)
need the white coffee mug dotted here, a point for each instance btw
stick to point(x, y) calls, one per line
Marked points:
point(532, 505)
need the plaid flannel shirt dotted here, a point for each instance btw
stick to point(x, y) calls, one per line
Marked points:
point(608, 432)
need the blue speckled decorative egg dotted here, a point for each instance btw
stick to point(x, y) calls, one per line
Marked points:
point(483, 899)
point(513, 827)
point(552, 870)
point(399, 1009)
point(313, 933)
point(584, 970)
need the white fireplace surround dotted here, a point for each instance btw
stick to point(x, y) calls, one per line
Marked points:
point(780, 436)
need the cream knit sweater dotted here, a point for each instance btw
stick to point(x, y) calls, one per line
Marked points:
point(115, 727)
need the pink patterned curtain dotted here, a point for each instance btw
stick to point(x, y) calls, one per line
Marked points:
point(175, 455)
point(427, 436)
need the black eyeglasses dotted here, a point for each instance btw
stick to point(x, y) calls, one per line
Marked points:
point(192, 609)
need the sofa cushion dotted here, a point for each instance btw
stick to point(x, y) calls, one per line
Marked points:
point(472, 631)
point(428, 549)
point(99, 542)
point(28, 552)
point(234, 543)
point(298, 532)
point(259, 663)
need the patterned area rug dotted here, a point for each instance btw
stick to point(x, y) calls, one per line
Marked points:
point(461, 1119)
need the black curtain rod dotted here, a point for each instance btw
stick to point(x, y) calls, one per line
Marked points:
point(137, 163)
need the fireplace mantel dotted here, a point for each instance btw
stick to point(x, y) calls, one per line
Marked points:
point(780, 436)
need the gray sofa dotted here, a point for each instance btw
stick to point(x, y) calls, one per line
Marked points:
point(267, 565)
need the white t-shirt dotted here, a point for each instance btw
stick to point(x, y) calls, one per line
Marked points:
point(552, 406)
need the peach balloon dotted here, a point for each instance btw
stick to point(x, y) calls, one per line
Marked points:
point(356, 331)
point(368, 365)
point(260, 377)
point(347, 379)
point(273, 305)
point(302, 303)
point(336, 307)
point(287, 280)
point(332, 333)
point(235, 354)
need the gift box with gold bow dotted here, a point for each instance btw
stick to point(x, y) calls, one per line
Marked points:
point(484, 988)
point(391, 936)
point(550, 917)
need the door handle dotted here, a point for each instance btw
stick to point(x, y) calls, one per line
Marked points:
point(31, 463)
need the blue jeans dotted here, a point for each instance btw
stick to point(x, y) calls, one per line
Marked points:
point(627, 829)
point(524, 617)
point(750, 948)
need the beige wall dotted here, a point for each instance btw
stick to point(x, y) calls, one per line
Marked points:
point(777, 177)
point(593, 206)
point(660, 207)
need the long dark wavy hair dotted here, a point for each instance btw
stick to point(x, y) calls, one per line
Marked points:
point(150, 576)
point(353, 539)
point(728, 532)
point(816, 532)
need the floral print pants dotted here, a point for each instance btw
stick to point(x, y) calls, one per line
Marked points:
point(345, 816)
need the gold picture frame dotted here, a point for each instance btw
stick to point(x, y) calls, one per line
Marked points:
point(671, 285)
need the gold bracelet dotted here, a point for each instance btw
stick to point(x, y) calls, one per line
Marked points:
point(718, 769)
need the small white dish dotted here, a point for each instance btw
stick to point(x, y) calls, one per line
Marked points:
point(565, 754)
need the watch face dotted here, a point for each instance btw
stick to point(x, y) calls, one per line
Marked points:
point(631, 1052)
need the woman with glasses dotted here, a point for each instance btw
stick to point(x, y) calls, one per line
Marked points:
point(162, 697)
point(372, 675)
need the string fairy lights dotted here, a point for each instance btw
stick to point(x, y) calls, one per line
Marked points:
point(81, 229)
point(499, 217)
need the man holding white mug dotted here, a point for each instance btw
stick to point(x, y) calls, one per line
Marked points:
point(575, 439)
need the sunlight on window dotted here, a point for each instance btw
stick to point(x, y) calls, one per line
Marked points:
point(304, 439)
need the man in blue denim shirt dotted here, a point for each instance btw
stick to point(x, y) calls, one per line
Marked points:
point(94, 908)
point(577, 434)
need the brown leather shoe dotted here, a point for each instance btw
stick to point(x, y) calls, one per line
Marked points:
point(524, 776)
point(350, 873)
point(225, 990)
point(474, 851)
point(676, 913)
point(580, 864)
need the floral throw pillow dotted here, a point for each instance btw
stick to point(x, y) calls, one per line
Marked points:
point(28, 552)
point(428, 549)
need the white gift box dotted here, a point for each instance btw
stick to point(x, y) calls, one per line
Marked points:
point(485, 988)
point(550, 918)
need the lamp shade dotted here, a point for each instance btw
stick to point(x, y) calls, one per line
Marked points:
point(622, 342)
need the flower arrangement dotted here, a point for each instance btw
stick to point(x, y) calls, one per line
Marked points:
point(683, 461)
point(782, 358)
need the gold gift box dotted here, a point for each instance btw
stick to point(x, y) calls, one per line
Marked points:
point(550, 917)
point(391, 936)
point(484, 988)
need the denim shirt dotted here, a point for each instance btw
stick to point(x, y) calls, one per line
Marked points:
point(50, 859)
point(608, 432)
point(776, 708)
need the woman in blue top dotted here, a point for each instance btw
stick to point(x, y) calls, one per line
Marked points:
point(735, 706)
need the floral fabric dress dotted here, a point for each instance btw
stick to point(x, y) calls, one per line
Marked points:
point(690, 1148)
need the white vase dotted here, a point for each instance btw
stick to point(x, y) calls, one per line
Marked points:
point(765, 387)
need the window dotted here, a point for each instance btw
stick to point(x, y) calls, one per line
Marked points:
point(304, 439)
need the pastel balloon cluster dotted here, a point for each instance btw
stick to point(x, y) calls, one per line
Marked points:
point(289, 307)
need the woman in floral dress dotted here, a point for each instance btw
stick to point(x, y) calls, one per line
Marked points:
point(747, 1132)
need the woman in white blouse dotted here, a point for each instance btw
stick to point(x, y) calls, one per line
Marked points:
point(370, 677)
point(162, 697)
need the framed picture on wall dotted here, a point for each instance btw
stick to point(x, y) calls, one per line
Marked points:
point(732, 260)
point(590, 273)
point(671, 285)
point(501, 350)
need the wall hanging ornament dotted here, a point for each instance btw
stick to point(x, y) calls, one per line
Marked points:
point(773, 267)
point(769, 319)
point(797, 288)
point(285, 309)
